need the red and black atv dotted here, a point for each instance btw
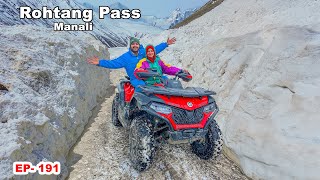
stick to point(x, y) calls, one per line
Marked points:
point(166, 113)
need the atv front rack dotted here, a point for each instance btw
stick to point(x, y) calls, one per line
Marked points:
point(188, 92)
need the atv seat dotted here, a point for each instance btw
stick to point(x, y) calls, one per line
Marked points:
point(188, 92)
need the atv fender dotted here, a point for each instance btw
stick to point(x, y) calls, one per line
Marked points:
point(126, 91)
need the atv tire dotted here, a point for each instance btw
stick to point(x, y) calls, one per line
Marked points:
point(212, 145)
point(141, 141)
point(115, 109)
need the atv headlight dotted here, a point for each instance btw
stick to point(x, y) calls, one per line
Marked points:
point(161, 108)
point(209, 108)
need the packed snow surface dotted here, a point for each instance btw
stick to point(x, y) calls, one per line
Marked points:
point(51, 92)
point(262, 59)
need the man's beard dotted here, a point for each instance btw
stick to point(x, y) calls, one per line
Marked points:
point(135, 52)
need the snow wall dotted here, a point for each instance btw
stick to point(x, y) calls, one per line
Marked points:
point(49, 93)
point(262, 59)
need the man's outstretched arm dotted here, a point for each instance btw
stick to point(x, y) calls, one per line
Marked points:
point(112, 64)
point(162, 46)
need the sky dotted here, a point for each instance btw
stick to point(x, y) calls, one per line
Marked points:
point(159, 8)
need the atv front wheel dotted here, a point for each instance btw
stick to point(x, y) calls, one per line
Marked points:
point(115, 108)
point(141, 141)
point(212, 144)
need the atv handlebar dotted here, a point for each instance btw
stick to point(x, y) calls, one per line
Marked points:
point(146, 73)
point(184, 75)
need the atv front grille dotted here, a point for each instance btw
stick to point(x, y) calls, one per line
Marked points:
point(181, 116)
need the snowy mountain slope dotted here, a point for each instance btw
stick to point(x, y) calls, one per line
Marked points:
point(124, 27)
point(261, 57)
point(155, 21)
point(118, 5)
point(110, 35)
point(178, 16)
point(149, 20)
point(51, 92)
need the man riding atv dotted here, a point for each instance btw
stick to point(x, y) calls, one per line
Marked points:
point(130, 59)
point(155, 115)
point(162, 111)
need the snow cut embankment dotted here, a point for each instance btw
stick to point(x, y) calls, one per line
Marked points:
point(262, 59)
point(51, 92)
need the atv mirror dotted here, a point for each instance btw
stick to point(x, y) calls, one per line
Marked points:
point(184, 75)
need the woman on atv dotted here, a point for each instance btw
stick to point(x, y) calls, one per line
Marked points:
point(152, 61)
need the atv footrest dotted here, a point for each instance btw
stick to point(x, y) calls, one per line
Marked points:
point(186, 136)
